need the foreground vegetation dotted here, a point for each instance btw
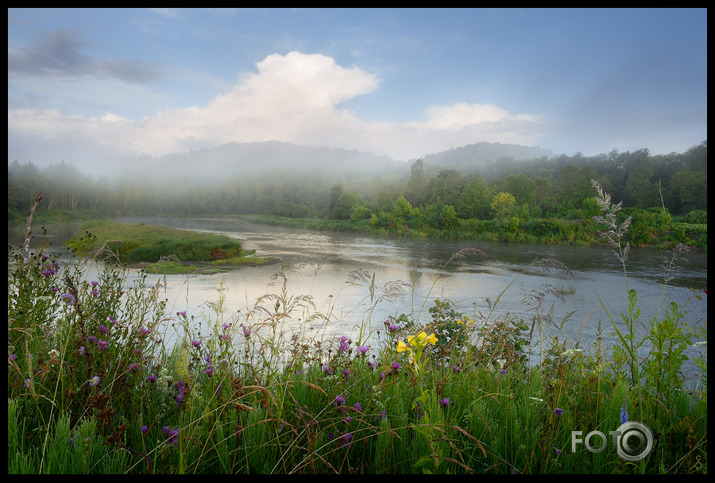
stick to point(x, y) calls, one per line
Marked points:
point(161, 249)
point(103, 377)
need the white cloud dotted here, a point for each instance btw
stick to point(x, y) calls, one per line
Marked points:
point(293, 98)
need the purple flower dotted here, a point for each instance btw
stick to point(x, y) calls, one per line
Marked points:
point(358, 406)
point(456, 368)
point(182, 313)
point(47, 272)
point(94, 381)
point(346, 372)
point(393, 327)
point(95, 283)
point(26, 384)
point(152, 378)
point(327, 369)
point(396, 366)
point(144, 429)
point(68, 298)
point(339, 400)
point(346, 438)
point(132, 367)
point(112, 320)
point(624, 412)
point(143, 331)
point(348, 419)
point(196, 343)
point(103, 344)
point(363, 349)
point(558, 411)
point(103, 329)
point(502, 371)
point(444, 402)
point(344, 343)
point(209, 371)
point(246, 331)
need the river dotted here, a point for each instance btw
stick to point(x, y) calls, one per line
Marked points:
point(333, 271)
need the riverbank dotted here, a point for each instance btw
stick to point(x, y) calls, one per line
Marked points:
point(546, 231)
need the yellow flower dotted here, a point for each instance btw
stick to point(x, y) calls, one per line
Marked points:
point(401, 346)
point(432, 339)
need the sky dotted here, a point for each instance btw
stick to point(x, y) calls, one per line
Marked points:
point(86, 83)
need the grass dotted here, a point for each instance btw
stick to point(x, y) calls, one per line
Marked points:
point(103, 377)
point(160, 249)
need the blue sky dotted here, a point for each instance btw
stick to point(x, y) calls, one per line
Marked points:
point(400, 82)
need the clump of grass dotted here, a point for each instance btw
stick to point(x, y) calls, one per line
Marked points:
point(104, 378)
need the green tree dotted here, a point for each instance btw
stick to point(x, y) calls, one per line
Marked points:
point(503, 204)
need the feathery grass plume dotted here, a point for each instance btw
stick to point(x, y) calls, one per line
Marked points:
point(614, 233)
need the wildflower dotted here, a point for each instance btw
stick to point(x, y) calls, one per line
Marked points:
point(345, 440)
point(393, 327)
point(344, 344)
point(81, 350)
point(558, 451)
point(358, 406)
point(363, 349)
point(246, 331)
point(196, 343)
point(339, 400)
point(396, 366)
point(624, 412)
point(103, 329)
point(94, 381)
point(445, 402)
point(346, 372)
point(68, 298)
point(132, 367)
point(11, 357)
point(103, 344)
point(47, 272)
point(456, 368)
point(401, 346)
point(327, 369)
point(182, 313)
point(144, 429)
point(152, 378)
point(173, 437)
point(558, 411)
point(165, 429)
point(502, 371)
point(209, 371)
point(112, 320)
point(143, 331)
point(94, 283)
point(348, 419)
point(26, 384)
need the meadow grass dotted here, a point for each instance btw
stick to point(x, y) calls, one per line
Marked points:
point(103, 377)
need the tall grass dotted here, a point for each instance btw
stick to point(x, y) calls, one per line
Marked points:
point(103, 377)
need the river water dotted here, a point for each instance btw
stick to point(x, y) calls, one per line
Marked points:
point(334, 270)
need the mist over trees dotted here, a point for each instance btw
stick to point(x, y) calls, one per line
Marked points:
point(297, 181)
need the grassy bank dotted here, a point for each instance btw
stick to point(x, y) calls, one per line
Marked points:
point(160, 249)
point(95, 387)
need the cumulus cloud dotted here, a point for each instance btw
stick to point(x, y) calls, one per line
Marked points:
point(293, 98)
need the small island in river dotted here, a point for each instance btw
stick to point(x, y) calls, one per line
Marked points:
point(160, 249)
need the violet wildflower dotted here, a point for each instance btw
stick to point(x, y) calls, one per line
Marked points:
point(624, 412)
point(393, 327)
point(143, 331)
point(182, 313)
point(327, 369)
point(144, 429)
point(152, 379)
point(209, 371)
point(26, 384)
point(246, 331)
point(103, 329)
point(196, 343)
point(363, 349)
point(346, 438)
point(558, 411)
point(502, 371)
point(346, 372)
point(103, 344)
point(444, 402)
point(344, 344)
point(94, 381)
point(339, 400)
point(395, 367)
point(132, 367)
point(358, 406)
point(68, 298)
point(94, 283)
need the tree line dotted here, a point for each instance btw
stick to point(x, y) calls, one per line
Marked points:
point(542, 188)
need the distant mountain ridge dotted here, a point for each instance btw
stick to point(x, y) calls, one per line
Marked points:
point(473, 156)
point(262, 158)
